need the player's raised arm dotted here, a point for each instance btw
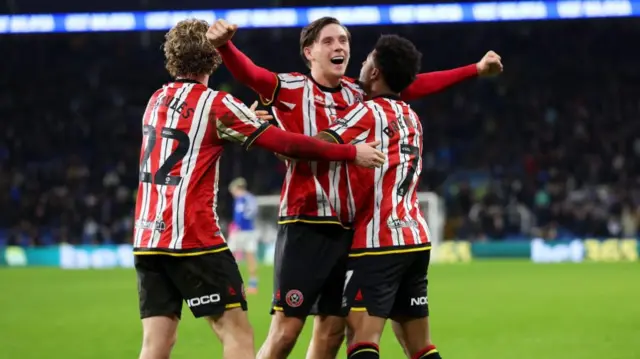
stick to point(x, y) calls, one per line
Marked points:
point(261, 80)
point(432, 82)
point(236, 122)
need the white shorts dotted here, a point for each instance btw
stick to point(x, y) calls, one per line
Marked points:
point(246, 241)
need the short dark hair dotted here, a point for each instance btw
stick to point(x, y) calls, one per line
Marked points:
point(398, 60)
point(310, 33)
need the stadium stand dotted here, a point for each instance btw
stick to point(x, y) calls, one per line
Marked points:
point(550, 148)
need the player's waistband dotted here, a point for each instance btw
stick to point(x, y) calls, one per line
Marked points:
point(180, 252)
point(361, 252)
point(330, 220)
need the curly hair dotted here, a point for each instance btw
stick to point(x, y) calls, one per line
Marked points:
point(398, 60)
point(187, 50)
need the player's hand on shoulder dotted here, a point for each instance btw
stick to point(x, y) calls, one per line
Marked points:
point(262, 115)
point(368, 156)
point(221, 32)
point(490, 64)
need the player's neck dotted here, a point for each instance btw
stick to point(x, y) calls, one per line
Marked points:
point(203, 79)
point(323, 80)
point(380, 89)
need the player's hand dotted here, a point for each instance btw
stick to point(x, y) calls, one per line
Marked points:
point(490, 64)
point(262, 115)
point(265, 116)
point(368, 156)
point(221, 32)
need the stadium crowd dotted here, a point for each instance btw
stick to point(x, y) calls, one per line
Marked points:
point(550, 148)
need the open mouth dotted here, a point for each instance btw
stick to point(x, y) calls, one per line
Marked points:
point(337, 60)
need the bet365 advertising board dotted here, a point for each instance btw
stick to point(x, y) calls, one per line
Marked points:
point(537, 250)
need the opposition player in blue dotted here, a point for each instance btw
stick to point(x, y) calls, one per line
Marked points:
point(245, 237)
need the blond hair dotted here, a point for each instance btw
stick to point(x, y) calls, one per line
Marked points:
point(187, 50)
point(238, 183)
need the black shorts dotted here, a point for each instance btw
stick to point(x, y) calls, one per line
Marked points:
point(208, 283)
point(310, 266)
point(389, 285)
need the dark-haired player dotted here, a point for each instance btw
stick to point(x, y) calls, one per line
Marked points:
point(386, 274)
point(316, 207)
point(180, 253)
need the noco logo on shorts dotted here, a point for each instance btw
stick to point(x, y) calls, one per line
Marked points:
point(419, 301)
point(207, 299)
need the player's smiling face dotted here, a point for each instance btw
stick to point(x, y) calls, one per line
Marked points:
point(331, 50)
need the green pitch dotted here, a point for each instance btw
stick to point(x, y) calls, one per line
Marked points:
point(496, 310)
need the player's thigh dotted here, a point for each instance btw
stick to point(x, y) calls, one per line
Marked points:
point(304, 260)
point(412, 298)
point(330, 301)
point(209, 283)
point(411, 309)
point(372, 282)
point(158, 295)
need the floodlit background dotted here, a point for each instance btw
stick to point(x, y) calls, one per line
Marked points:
point(539, 165)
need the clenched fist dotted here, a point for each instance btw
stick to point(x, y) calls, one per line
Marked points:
point(221, 32)
point(490, 64)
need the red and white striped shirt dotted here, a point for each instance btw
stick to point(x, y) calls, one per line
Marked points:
point(388, 213)
point(316, 192)
point(184, 128)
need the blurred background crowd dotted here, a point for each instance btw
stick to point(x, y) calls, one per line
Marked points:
point(551, 148)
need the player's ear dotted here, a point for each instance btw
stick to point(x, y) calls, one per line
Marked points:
point(307, 53)
point(375, 74)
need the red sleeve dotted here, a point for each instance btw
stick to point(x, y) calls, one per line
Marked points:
point(261, 80)
point(233, 119)
point(282, 90)
point(235, 122)
point(300, 146)
point(432, 82)
point(352, 126)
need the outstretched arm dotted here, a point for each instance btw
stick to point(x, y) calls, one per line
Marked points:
point(274, 89)
point(235, 122)
point(322, 136)
point(432, 82)
point(356, 122)
point(301, 146)
point(259, 79)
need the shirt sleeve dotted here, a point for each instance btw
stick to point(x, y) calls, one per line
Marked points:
point(236, 122)
point(432, 82)
point(354, 127)
point(282, 90)
point(288, 92)
point(261, 80)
